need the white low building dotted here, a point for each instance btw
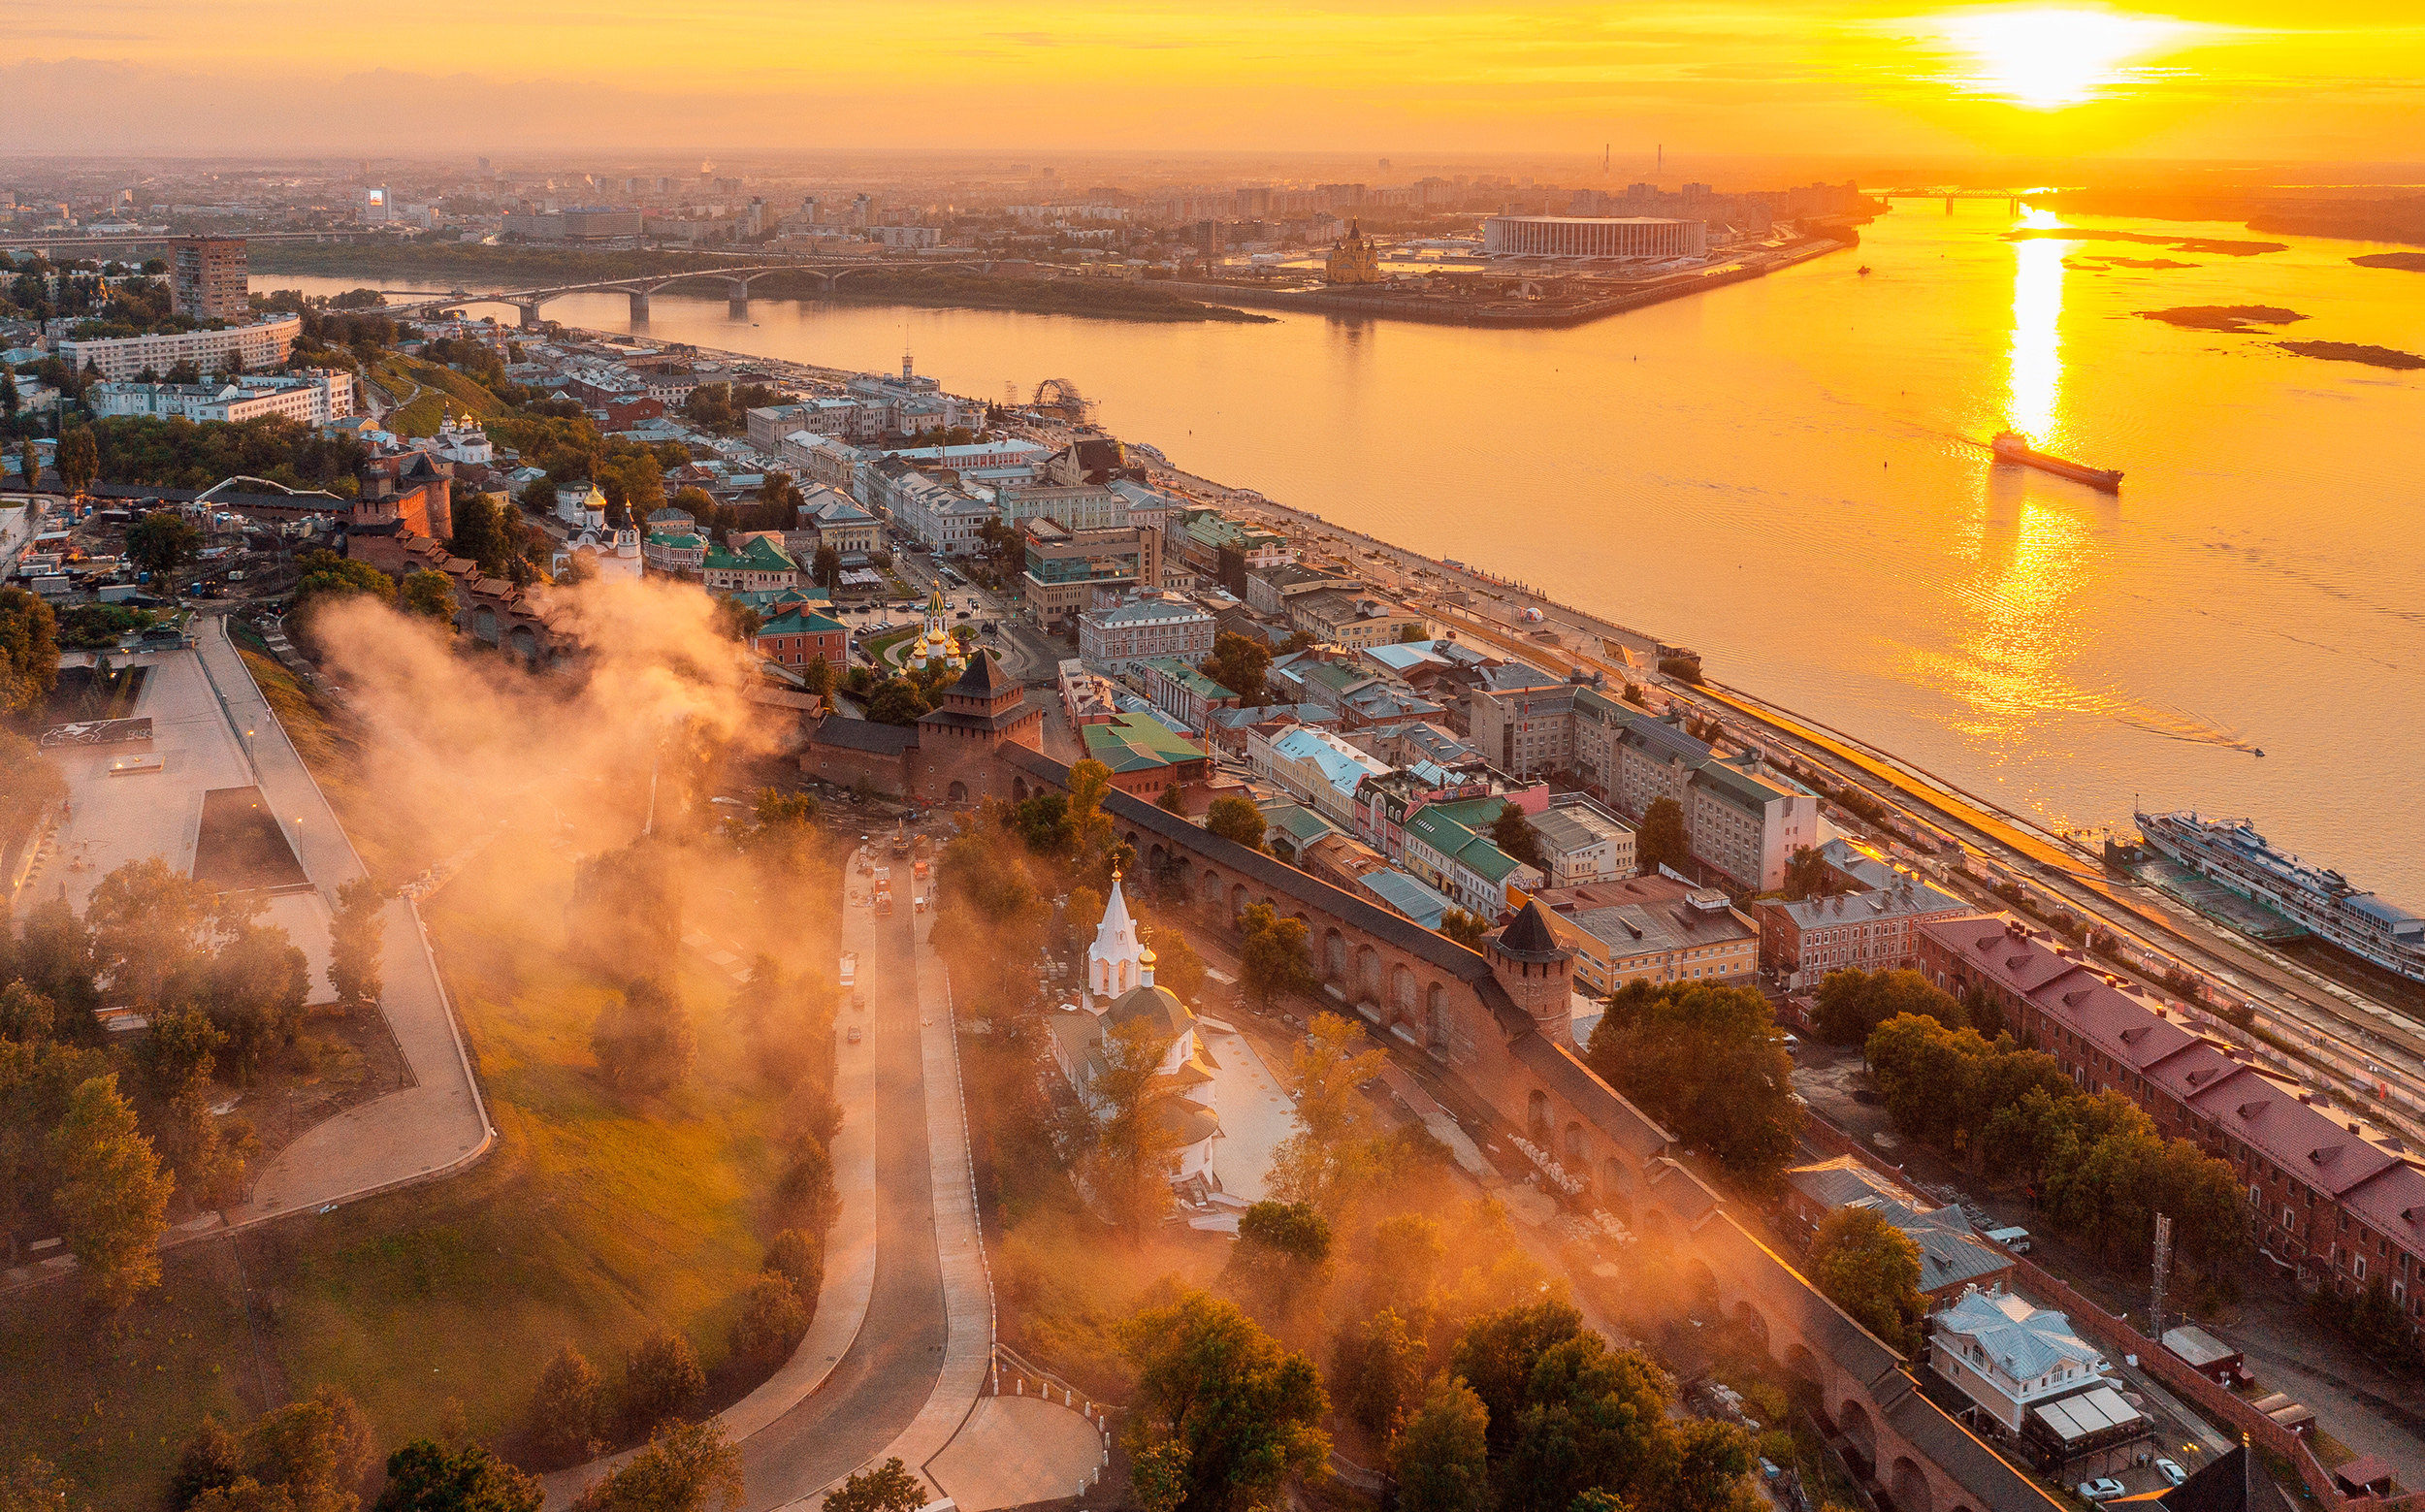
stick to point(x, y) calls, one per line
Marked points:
point(314, 397)
point(608, 554)
point(1119, 991)
point(2010, 1356)
point(262, 345)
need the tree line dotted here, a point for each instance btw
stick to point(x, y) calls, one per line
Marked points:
point(98, 1139)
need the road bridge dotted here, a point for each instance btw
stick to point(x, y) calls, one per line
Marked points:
point(737, 280)
point(2012, 198)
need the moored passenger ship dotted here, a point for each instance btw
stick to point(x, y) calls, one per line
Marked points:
point(2318, 899)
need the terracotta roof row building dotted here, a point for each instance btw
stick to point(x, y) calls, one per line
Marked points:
point(2327, 1191)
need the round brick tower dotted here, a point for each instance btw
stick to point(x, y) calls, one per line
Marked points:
point(1536, 970)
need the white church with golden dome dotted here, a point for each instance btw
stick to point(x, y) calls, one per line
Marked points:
point(935, 646)
point(1119, 990)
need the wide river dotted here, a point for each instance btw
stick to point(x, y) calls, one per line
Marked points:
point(1788, 474)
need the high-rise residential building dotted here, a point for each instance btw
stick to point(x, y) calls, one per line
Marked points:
point(206, 279)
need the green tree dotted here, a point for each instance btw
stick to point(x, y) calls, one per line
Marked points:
point(307, 1456)
point(255, 992)
point(357, 941)
point(163, 542)
point(327, 578)
point(1441, 1456)
point(1081, 916)
point(423, 1477)
point(1327, 1159)
point(1176, 965)
point(1515, 834)
point(887, 1488)
point(479, 535)
point(1236, 820)
point(430, 595)
point(31, 1484)
point(112, 1196)
point(1247, 1410)
point(1806, 876)
point(1239, 663)
point(29, 654)
point(1272, 954)
point(538, 496)
point(683, 1467)
point(1136, 1111)
point(1157, 1475)
point(152, 931)
point(1467, 929)
point(567, 1418)
point(644, 1042)
point(1852, 1003)
point(798, 1260)
point(771, 1320)
point(1377, 1368)
point(825, 567)
point(212, 1459)
point(29, 462)
point(662, 1380)
point(1707, 1062)
point(1663, 839)
point(77, 460)
point(1871, 1269)
point(897, 700)
point(1282, 1260)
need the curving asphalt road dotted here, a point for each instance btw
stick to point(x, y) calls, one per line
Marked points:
point(889, 1371)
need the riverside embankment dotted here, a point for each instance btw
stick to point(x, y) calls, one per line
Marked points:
point(2369, 1056)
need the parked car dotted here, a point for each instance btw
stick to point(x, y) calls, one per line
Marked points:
point(2103, 1488)
point(854, 1038)
point(2172, 1471)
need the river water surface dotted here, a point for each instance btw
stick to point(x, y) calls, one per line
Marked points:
point(1788, 474)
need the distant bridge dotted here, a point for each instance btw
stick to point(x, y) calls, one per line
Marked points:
point(735, 279)
point(2012, 198)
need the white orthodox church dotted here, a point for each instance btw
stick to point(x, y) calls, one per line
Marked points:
point(1119, 990)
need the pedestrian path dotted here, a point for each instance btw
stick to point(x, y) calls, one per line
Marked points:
point(436, 1122)
point(1015, 1451)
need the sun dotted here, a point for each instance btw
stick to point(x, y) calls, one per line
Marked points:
point(2051, 56)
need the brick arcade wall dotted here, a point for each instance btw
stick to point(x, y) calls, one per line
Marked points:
point(1441, 1000)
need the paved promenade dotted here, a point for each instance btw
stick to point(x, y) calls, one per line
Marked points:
point(436, 1122)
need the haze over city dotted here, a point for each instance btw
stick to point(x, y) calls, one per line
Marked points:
point(1187, 757)
point(2218, 80)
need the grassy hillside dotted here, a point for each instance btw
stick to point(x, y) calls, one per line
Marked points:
point(594, 1218)
point(437, 387)
point(590, 1220)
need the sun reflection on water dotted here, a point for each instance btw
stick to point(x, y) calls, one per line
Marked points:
point(2034, 386)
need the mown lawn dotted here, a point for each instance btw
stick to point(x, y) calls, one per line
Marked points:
point(592, 1220)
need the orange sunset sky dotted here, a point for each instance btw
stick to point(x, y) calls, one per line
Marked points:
point(2200, 78)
